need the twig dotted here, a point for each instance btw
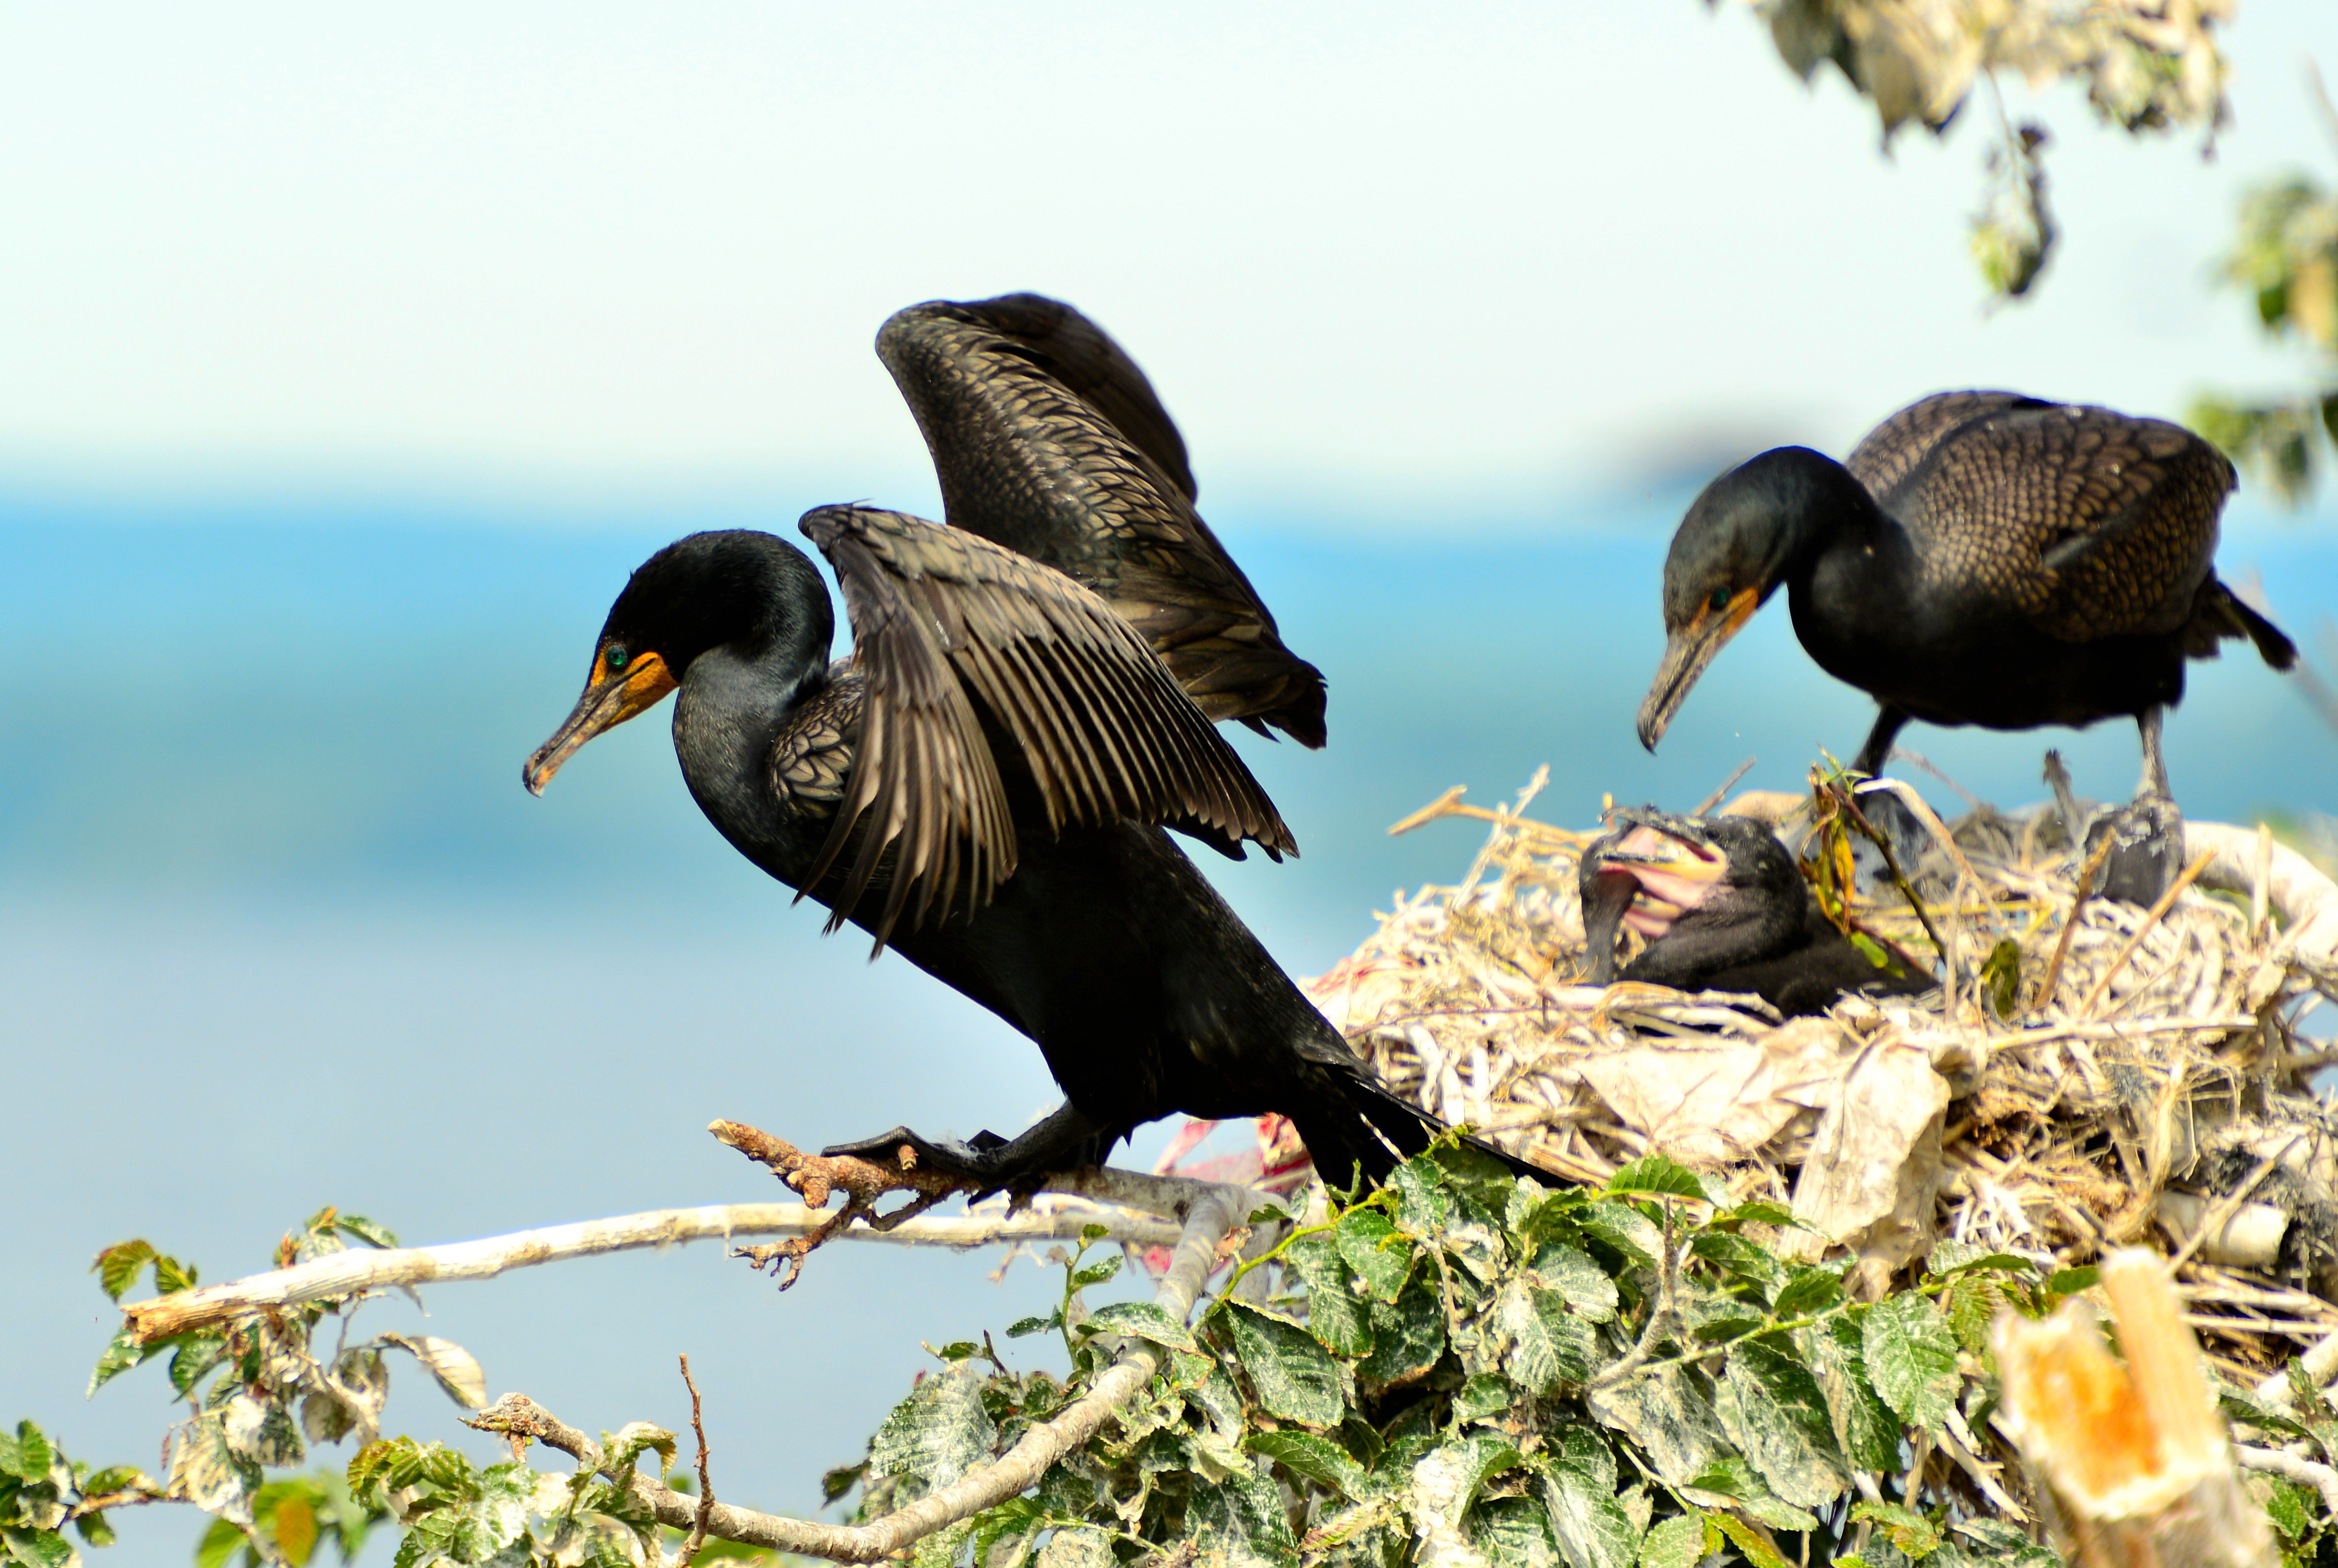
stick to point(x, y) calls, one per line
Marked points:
point(1882, 842)
point(2290, 1467)
point(1719, 794)
point(697, 1536)
point(2151, 917)
point(1215, 1214)
point(351, 1272)
point(1450, 805)
point(1660, 1317)
point(2070, 922)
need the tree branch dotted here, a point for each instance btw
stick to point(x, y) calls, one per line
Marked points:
point(2290, 1467)
point(347, 1273)
point(1219, 1211)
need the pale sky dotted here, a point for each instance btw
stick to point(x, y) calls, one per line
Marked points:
point(1364, 250)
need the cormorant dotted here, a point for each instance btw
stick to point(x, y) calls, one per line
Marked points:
point(1725, 908)
point(983, 785)
point(1983, 558)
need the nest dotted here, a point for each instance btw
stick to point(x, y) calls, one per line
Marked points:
point(2133, 1077)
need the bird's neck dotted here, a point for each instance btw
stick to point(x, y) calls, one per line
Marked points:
point(1848, 557)
point(729, 709)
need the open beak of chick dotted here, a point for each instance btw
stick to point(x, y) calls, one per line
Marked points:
point(619, 686)
point(1688, 648)
point(1647, 876)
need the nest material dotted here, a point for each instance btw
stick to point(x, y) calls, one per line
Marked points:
point(2160, 1093)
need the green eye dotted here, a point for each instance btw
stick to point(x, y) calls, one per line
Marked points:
point(614, 657)
point(1717, 603)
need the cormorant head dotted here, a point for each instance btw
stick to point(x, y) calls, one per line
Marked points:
point(1730, 555)
point(753, 592)
point(1655, 871)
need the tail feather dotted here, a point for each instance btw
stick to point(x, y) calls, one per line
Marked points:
point(1370, 1128)
point(2221, 613)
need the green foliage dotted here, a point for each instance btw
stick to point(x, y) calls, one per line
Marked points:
point(2285, 259)
point(1465, 1363)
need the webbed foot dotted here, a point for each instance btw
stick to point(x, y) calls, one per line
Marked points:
point(2146, 848)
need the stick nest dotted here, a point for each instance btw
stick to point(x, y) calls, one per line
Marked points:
point(2160, 1093)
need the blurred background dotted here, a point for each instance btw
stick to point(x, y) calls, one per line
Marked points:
point(351, 361)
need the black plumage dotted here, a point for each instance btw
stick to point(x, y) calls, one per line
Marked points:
point(1725, 908)
point(1983, 558)
point(984, 784)
point(1048, 439)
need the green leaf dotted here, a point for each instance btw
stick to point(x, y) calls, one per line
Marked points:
point(1336, 1315)
point(1312, 1458)
point(1808, 1290)
point(1513, 1532)
point(1580, 1282)
point(121, 1354)
point(1097, 1273)
point(1023, 1327)
point(196, 1356)
point(1139, 1320)
point(1759, 1212)
point(1407, 1337)
point(221, 1542)
point(1911, 1354)
point(117, 1266)
point(1488, 1394)
point(28, 1455)
point(1295, 1378)
point(1783, 1427)
point(2071, 1281)
point(1655, 1175)
point(622, 1452)
point(1423, 1206)
point(843, 1478)
point(935, 1435)
point(1368, 1244)
point(1748, 1540)
point(1674, 1543)
point(2007, 1544)
point(1548, 1347)
point(171, 1276)
point(1864, 1429)
point(37, 1548)
point(1625, 1229)
point(365, 1231)
point(1241, 1516)
point(1909, 1531)
point(1590, 1527)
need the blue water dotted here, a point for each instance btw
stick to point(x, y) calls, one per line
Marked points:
point(278, 927)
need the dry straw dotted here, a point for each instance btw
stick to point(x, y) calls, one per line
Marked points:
point(2150, 1084)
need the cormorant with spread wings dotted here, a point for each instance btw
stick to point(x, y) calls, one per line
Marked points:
point(983, 785)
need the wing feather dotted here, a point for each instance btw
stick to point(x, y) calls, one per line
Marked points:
point(1048, 439)
point(958, 641)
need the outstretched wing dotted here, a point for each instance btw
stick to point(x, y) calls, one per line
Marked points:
point(2090, 522)
point(948, 630)
point(1049, 440)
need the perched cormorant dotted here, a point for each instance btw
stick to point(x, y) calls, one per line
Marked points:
point(983, 785)
point(1723, 909)
point(1984, 558)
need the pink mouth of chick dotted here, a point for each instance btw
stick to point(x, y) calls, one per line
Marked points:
point(1664, 896)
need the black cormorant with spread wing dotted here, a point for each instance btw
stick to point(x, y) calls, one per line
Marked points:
point(983, 785)
point(1983, 558)
point(1724, 908)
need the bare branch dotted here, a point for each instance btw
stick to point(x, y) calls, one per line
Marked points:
point(697, 1536)
point(347, 1273)
point(2290, 1467)
point(1220, 1210)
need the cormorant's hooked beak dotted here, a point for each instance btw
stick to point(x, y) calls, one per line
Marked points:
point(1657, 872)
point(608, 701)
point(1686, 653)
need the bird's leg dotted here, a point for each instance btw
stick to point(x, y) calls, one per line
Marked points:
point(2147, 834)
point(1067, 1139)
point(1895, 820)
